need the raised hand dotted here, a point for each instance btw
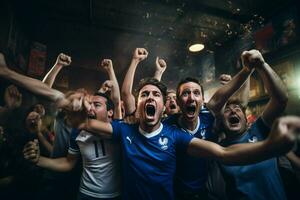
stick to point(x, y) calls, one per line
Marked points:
point(224, 79)
point(106, 86)
point(161, 64)
point(252, 59)
point(107, 64)
point(140, 54)
point(284, 132)
point(12, 97)
point(63, 60)
point(31, 151)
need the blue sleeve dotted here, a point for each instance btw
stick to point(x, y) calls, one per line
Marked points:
point(117, 129)
point(183, 139)
point(73, 147)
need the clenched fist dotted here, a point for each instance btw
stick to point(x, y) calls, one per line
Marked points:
point(161, 64)
point(140, 54)
point(63, 59)
point(252, 59)
point(106, 64)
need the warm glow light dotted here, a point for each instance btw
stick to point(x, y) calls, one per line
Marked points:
point(196, 47)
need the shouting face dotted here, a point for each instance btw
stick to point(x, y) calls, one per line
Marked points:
point(171, 104)
point(98, 109)
point(234, 119)
point(150, 107)
point(190, 100)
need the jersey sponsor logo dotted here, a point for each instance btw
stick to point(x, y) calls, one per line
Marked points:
point(128, 139)
point(163, 141)
point(252, 140)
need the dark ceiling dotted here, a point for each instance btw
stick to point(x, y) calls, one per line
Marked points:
point(113, 28)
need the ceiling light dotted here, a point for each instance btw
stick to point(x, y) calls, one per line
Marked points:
point(196, 47)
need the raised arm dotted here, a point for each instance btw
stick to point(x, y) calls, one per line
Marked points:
point(280, 141)
point(161, 67)
point(32, 153)
point(274, 85)
point(61, 61)
point(241, 94)
point(222, 95)
point(113, 86)
point(33, 85)
point(139, 54)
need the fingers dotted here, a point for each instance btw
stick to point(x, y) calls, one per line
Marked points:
point(31, 150)
point(106, 63)
point(140, 53)
point(64, 59)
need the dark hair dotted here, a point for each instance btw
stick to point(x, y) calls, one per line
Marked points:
point(186, 80)
point(152, 81)
point(109, 103)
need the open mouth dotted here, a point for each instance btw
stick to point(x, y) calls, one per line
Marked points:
point(92, 116)
point(191, 109)
point(150, 110)
point(234, 120)
point(172, 106)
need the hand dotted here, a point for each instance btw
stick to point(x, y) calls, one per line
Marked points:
point(252, 59)
point(140, 54)
point(34, 122)
point(284, 132)
point(31, 151)
point(63, 60)
point(107, 64)
point(224, 79)
point(106, 86)
point(12, 97)
point(161, 64)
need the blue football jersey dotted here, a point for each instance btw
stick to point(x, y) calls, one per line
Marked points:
point(191, 172)
point(149, 160)
point(259, 181)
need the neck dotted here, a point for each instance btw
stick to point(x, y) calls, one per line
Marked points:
point(149, 128)
point(187, 123)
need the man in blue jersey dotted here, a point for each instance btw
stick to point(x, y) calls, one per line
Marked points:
point(149, 147)
point(197, 119)
point(261, 180)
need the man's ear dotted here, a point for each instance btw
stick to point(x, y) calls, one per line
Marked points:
point(110, 113)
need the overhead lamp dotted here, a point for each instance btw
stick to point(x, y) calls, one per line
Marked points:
point(196, 47)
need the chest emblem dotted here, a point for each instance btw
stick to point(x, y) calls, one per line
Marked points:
point(252, 140)
point(163, 141)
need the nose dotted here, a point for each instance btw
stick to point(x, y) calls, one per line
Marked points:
point(191, 96)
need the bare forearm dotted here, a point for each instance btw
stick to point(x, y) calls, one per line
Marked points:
point(126, 93)
point(51, 75)
point(33, 85)
point(274, 85)
point(103, 129)
point(224, 93)
point(43, 141)
point(58, 164)
point(242, 94)
point(158, 75)
point(295, 160)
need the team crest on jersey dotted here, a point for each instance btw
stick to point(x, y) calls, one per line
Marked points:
point(252, 140)
point(163, 141)
point(202, 132)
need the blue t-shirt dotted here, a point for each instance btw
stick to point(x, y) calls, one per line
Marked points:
point(149, 163)
point(256, 181)
point(191, 172)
